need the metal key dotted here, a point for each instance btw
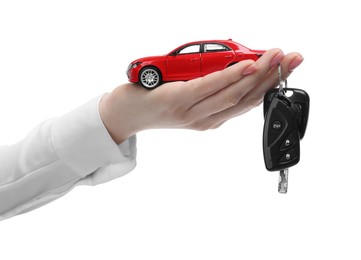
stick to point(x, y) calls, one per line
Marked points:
point(286, 115)
point(283, 181)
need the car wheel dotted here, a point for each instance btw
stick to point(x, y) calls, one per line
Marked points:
point(150, 77)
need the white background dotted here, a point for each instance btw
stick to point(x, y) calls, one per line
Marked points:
point(193, 195)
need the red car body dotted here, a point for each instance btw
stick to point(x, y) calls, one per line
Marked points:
point(189, 61)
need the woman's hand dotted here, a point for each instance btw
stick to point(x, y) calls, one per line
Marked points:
point(199, 104)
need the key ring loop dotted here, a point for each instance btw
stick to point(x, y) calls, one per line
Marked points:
point(281, 82)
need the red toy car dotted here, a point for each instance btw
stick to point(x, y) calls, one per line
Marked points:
point(189, 61)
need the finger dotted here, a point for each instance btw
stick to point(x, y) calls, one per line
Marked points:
point(231, 95)
point(288, 64)
point(255, 97)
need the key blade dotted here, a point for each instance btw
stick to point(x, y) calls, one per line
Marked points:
point(283, 181)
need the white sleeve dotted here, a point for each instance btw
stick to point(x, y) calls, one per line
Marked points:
point(58, 155)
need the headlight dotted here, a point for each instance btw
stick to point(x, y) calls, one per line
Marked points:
point(134, 65)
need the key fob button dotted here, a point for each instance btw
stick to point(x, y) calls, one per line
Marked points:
point(276, 125)
point(288, 142)
point(288, 156)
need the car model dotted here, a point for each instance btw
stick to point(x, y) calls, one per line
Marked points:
point(189, 61)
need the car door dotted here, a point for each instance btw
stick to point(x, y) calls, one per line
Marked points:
point(184, 64)
point(216, 57)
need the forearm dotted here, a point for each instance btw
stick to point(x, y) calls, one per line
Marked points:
point(56, 156)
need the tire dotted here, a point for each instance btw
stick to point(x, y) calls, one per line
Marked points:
point(150, 77)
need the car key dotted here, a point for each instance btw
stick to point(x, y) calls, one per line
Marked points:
point(286, 114)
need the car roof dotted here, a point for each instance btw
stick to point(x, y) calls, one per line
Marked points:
point(205, 41)
point(228, 42)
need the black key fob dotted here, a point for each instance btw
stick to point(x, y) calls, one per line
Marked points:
point(286, 116)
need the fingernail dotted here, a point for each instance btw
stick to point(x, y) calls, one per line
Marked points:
point(277, 59)
point(295, 63)
point(249, 70)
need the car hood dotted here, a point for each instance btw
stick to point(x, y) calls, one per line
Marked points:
point(150, 58)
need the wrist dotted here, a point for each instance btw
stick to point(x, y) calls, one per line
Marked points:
point(114, 122)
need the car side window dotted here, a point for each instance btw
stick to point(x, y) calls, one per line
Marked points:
point(190, 49)
point(215, 47)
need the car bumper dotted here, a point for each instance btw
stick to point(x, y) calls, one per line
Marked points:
point(132, 75)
